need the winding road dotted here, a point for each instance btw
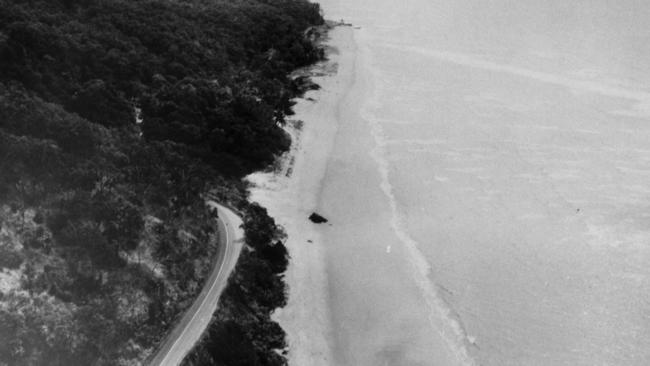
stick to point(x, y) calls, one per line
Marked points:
point(188, 331)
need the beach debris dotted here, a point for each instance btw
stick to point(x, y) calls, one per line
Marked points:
point(316, 218)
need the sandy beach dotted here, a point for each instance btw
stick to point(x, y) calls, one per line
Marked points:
point(292, 192)
point(343, 276)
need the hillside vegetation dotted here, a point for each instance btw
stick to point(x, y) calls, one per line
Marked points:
point(116, 118)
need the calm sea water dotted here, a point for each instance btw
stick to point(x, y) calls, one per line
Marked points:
point(515, 142)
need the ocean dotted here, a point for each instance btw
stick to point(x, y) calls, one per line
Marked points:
point(488, 188)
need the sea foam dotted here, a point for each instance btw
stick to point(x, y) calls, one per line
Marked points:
point(441, 316)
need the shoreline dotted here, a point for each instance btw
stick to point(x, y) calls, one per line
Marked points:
point(343, 274)
point(377, 289)
point(292, 192)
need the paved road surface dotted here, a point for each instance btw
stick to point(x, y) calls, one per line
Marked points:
point(185, 335)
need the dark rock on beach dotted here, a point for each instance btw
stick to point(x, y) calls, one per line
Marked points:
point(317, 219)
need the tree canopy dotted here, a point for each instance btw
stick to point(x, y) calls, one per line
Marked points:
point(116, 117)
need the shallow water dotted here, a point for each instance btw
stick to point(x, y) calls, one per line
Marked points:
point(490, 184)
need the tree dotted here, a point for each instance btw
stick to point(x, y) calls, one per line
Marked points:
point(100, 102)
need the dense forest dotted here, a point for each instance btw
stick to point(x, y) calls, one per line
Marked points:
point(117, 118)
